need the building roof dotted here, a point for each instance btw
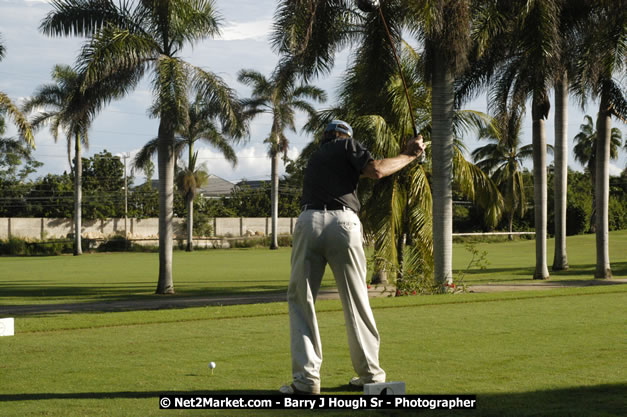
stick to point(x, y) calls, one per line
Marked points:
point(216, 187)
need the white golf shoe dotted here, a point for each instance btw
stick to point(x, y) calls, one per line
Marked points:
point(290, 389)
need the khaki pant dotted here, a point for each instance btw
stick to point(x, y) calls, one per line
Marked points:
point(332, 237)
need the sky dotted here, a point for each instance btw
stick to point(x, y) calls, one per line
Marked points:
point(124, 126)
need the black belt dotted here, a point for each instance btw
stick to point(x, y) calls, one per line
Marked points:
point(330, 206)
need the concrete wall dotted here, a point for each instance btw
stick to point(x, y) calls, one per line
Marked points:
point(40, 228)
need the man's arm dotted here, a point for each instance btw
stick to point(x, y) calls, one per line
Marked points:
point(381, 168)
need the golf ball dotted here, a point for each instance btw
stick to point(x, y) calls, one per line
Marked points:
point(212, 365)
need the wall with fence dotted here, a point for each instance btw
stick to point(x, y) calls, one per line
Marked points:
point(43, 228)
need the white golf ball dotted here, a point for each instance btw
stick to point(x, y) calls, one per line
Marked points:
point(212, 365)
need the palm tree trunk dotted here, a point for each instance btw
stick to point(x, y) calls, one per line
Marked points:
point(442, 148)
point(602, 188)
point(560, 260)
point(78, 197)
point(400, 257)
point(592, 168)
point(275, 200)
point(539, 110)
point(190, 223)
point(165, 151)
point(511, 225)
point(379, 273)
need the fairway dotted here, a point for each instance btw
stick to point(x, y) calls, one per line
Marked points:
point(133, 276)
point(527, 353)
point(542, 353)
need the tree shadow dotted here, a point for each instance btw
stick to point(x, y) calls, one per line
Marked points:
point(599, 400)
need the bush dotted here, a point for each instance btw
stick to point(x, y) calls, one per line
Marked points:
point(115, 244)
point(617, 214)
point(576, 219)
point(22, 247)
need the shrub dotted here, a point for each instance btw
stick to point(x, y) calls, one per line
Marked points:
point(617, 214)
point(576, 219)
point(15, 246)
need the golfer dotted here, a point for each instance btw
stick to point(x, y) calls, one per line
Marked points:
point(328, 231)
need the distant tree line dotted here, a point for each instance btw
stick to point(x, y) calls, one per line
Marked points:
point(51, 196)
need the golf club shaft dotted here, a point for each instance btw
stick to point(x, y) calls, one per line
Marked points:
point(400, 71)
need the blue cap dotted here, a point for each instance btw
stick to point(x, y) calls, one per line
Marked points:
point(339, 126)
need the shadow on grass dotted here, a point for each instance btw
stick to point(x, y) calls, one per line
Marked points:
point(619, 269)
point(599, 400)
point(149, 302)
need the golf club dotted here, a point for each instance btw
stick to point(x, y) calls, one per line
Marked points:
point(369, 6)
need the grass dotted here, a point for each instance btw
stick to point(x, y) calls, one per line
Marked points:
point(535, 353)
point(514, 262)
point(551, 353)
point(117, 276)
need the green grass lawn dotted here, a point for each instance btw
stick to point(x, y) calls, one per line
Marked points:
point(112, 276)
point(545, 353)
point(515, 261)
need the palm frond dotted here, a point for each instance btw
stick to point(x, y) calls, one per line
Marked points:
point(220, 142)
point(213, 88)
point(18, 118)
point(191, 21)
point(114, 50)
point(170, 87)
point(82, 17)
point(307, 33)
point(145, 154)
point(478, 187)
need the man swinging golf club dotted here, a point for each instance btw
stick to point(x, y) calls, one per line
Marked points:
point(328, 231)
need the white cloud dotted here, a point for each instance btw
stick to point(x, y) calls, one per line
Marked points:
point(615, 171)
point(257, 30)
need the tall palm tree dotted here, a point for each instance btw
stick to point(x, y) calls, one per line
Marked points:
point(445, 28)
point(188, 180)
point(309, 32)
point(522, 61)
point(602, 56)
point(573, 13)
point(280, 96)
point(399, 208)
point(202, 124)
point(14, 113)
point(585, 151)
point(560, 258)
point(65, 105)
point(134, 38)
point(57, 105)
point(502, 158)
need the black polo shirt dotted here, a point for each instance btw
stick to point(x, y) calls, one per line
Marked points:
point(333, 172)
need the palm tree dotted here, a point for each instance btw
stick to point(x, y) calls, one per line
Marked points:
point(64, 105)
point(560, 258)
point(58, 107)
point(280, 97)
point(585, 150)
point(602, 55)
point(133, 38)
point(524, 53)
point(14, 113)
point(188, 180)
point(310, 32)
point(573, 12)
point(398, 209)
point(445, 28)
point(202, 124)
point(502, 158)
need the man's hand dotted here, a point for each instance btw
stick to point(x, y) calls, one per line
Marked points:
point(378, 169)
point(415, 146)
